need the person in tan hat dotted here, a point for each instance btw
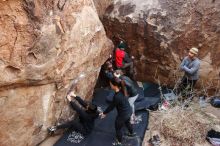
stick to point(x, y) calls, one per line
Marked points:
point(190, 65)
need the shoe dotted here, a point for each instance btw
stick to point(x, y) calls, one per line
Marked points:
point(154, 141)
point(137, 119)
point(52, 129)
point(156, 138)
point(131, 134)
point(117, 144)
point(132, 121)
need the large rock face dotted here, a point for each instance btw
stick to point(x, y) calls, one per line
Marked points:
point(160, 32)
point(46, 47)
point(102, 5)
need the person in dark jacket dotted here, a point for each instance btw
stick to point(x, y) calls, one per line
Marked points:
point(123, 109)
point(122, 59)
point(130, 91)
point(87, 115)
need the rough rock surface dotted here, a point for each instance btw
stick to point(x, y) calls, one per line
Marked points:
point(102, 5)
point(160, 32)
point(45, 48)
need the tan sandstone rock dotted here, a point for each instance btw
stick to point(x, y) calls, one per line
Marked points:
point(45, 47)
point(102, 5)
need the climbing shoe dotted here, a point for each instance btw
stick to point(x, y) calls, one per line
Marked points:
point(154, 141)
point(131, 134)
point(117, 144)
point(52, 129)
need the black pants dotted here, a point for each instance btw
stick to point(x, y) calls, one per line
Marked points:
point(128, 67)
point(75, 125)
point(186, 86)
point(119, 123)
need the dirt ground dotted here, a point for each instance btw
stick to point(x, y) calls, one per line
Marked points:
point(156, 118)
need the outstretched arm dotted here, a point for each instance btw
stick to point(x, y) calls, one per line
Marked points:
point(109, 108)
point(81, 102)
point(77, 98)
point(75, 107)
point(81, 112)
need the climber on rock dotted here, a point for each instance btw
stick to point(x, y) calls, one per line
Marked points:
point(122, 59)
point(130, 91)
point(190, 65)
point(87, 115)
point(123, 111)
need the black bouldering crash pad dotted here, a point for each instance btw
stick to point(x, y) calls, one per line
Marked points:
point(151, 90)
point(149, 97)
point(104, 131)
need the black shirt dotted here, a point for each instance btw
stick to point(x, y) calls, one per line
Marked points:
point(122, 105)
point(130, 86)
point(127, 59)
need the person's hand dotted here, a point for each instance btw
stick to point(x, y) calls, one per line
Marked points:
point(132, 57)
point(69, 98)
point(185, 67)
point(102, 115)
point(72, 94)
